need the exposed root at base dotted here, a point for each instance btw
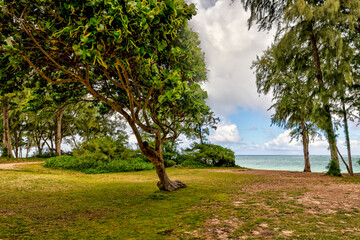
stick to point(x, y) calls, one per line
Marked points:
point(170, 185)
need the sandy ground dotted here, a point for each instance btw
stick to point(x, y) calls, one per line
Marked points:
point(14, 166)
point(324, 193)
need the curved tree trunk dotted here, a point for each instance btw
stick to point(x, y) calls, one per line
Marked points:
point(307, 167)
point(155, 156)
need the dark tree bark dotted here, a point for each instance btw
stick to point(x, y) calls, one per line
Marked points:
point(305, 139)
point(6, 128)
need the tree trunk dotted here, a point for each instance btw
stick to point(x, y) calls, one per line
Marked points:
point(329, 128)
point(16, 138)
point(346, 165)
point(73, 137)
point(28, 147)
point(307, 167)
point(347, 137)
point(200, 135)
point(59, 131)
point(3, 110)
point(6, 129)
point(155, 156)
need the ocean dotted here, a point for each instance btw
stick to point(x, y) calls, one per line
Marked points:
point(318, 163)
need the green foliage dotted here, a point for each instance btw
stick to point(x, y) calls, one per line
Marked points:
point(194, 164)
point(209, 155)
point(96, 166)
point(45, 154)
point(4, 152)
point(169, 163)
point(333, 169)
point(104, 149)
point(170, 153)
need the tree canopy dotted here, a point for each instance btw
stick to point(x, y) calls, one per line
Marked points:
point(138, 57)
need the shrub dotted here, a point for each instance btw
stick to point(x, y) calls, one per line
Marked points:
point(193, 164)
point(104, 149)
point(333, 169)
point(169, 163)
point(95, 166)
point(210, 155)
point(4, 152)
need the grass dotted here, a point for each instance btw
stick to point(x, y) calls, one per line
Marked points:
point(41, 203)
point(20, 160)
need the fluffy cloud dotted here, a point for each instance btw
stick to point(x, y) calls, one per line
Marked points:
point(283, 143)
point(225, 133)
point(230, 49)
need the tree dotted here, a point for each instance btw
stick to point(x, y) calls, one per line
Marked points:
point(200, 127)
point(311, 24)
point(292, 96)
point(53, 100)
point(12, 76)
point(138, 57)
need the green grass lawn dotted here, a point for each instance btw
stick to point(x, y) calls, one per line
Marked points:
point(41, 203)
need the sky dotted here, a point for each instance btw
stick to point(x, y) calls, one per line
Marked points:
point(230, 48)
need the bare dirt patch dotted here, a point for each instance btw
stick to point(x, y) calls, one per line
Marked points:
point(220, 229)
point(323, 194)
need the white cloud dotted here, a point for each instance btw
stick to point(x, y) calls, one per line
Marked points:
point(230, 49)
point(225, 133)
point(282, 142)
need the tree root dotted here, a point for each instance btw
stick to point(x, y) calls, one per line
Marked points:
point(170, 185)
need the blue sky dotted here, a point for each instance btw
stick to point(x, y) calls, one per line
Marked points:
point(230, 49)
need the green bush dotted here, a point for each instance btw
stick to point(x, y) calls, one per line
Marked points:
point(104, 149)
point(95, 166)
point(169, 163)
point(333, 169)
point(193, 164)
point(4, 152)
point(210, 155)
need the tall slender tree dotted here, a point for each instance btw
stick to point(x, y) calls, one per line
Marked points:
point(292, 97)
point(311, 23)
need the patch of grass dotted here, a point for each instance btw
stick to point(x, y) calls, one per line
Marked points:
point(352, 179)
point(19, 160)
point(42, 203)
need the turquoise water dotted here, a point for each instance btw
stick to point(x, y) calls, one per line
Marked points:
point(291, 162)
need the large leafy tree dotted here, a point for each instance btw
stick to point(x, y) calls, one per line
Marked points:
point(138, 57)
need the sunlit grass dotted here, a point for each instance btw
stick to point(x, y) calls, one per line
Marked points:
point(41, 203)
